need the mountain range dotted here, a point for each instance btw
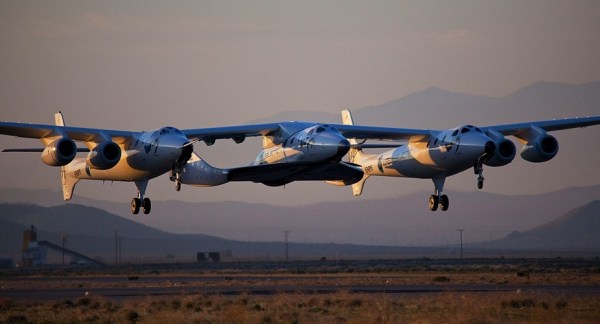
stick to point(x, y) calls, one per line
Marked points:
point(92, 231)
point(391, 221)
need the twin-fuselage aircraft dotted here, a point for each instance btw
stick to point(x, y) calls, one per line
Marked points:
point(292, 151)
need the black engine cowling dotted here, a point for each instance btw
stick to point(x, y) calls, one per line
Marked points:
point(541, 149)
point(104, 156)
point(503, 154)
point(60, 152)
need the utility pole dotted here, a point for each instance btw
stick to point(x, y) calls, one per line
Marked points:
point(64, 239)
point(120, 250)
point(461, 242)
point(286, 233)
point(116, 247)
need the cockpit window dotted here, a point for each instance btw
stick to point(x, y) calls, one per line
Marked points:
point(169, 130)
point(311, 131)
point(455, 132)
point(465, 130)
point(320, 129)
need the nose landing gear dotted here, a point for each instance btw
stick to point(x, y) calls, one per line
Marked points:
point(478, 170)
point(176, 177)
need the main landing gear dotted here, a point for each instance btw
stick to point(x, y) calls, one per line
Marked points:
point(140, 202)
point(439, 200)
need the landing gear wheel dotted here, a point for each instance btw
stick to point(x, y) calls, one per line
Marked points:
point(135, 205)
point(444, 202)
point(147, 205)
point(177, 186)
point(433, 202)
point(480, 183)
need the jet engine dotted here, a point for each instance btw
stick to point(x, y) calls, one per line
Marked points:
point(540, 149)
point(60, 152)
point(503, 154)
point(104, 156)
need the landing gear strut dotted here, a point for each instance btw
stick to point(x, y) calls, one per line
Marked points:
point(178, 166)
point(176, 177)
point(478, 169)
point(439, 200)
point(140, 201)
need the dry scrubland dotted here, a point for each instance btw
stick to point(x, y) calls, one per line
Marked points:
point(305, 308)
point(301, 306)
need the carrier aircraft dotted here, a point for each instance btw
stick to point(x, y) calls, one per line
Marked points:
point(438, 154)
point(292, 151)
point(310, 151)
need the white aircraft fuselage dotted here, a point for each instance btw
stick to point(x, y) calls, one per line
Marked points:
point(445, 155)
point(436, 155)
point(145, 156)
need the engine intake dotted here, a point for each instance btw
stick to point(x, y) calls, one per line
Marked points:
point(60, 152)
point(541, 149)
point(104, 156)
point(504, 153)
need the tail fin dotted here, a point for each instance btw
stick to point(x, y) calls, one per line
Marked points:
point(355, 155)
point(68, 182)
point(58, 119)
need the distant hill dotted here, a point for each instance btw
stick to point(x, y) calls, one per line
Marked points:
point(538, 100)
point(576, 230)
point(402, 220)
point(91, 231)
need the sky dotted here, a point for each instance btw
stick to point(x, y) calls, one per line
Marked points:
point(143, 64)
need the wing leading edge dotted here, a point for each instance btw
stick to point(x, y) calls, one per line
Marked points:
point(546, 125)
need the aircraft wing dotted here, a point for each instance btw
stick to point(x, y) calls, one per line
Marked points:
point(242, 131)
point(349, 131)
point(74, 133)
point(383, 133)
point(547, 125)
point(296, 171)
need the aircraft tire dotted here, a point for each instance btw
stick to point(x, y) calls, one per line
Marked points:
point(444, 202)
point(480, 184)
point(146, 205)
point(135, 205)
point(433, 202)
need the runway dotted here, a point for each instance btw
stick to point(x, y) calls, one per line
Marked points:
point(44, 289)
point(568, 277)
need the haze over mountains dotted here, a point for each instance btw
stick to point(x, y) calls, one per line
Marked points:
point(392, 221)
point(91, 231)
point(432, 108)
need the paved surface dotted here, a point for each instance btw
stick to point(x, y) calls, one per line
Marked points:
point(49, 289)
point(307, 277)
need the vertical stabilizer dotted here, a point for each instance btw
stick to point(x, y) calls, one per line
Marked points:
point(68, 183)
point(355, 155)
point(58, 119)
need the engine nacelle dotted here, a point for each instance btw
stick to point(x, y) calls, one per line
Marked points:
point(104, 156)
point(504, 154)
point(541, 149)
point(60, 152)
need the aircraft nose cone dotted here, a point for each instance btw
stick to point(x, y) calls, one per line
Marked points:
point(343, 147)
